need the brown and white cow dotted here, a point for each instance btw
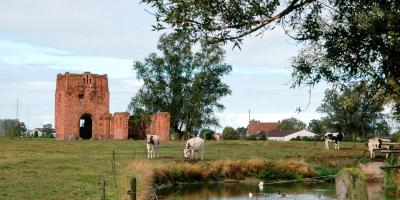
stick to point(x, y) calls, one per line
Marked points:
point(153, 145)
point(193, 145)
point(378, 143)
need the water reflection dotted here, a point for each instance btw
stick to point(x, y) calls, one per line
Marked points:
point(239, 191)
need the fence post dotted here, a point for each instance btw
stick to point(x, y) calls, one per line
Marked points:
point(132, 192)
point(353, 140)
point(102, 189)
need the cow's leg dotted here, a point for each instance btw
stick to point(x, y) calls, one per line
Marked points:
point(327, 144)
point(338, 145)
point(202, 153)
point(148, 151)
point(158, 151)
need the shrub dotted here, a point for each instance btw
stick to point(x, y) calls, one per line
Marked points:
point(230, 134)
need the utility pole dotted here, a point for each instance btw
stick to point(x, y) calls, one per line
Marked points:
point(249, 117)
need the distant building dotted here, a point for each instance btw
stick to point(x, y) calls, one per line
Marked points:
point(217, 136)
point(257, 127)
point(40, 132)
point(286, 135)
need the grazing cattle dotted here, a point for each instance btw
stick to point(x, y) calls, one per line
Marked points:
point(193, 145)
point(378, 143)
point(334, 138)
point(153, 143)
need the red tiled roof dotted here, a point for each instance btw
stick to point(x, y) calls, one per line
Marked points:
point(281, 133)
point(256, 127)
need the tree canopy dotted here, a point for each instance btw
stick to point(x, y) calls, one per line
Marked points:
point(356, 109)
point(184, 83)
point(344, 40)
point(291, 124)
point(230, 133)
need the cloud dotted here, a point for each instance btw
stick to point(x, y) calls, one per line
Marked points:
point(104, 28)
point(28, 86)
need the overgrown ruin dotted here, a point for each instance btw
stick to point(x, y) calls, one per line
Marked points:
point(82, 110)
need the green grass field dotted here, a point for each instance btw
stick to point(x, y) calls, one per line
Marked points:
point(49, 169)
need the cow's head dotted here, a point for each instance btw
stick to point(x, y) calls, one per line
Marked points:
point(187, 153)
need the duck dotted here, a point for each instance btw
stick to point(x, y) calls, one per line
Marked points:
point(281, 194)
point(261, 184)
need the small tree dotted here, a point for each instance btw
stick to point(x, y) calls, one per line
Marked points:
point(207, 133)
point(241, 131)
point(291, 124)
point(229, 133)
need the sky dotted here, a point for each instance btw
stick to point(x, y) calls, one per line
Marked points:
point(42, 38)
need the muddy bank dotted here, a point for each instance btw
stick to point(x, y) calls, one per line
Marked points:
point(240, 171)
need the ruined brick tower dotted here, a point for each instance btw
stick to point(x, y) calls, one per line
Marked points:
point(82, 104)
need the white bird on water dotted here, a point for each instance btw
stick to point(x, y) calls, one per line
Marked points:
point(250, 195)
point(261, 184)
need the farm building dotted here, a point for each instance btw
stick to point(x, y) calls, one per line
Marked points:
point(286, 135)
point(256, 127)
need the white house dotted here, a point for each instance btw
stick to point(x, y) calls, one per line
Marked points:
point(38, 131)
point(286, 135)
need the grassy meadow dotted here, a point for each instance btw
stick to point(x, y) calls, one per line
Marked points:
point(50, 169)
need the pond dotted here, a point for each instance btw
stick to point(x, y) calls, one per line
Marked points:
point(239, 191)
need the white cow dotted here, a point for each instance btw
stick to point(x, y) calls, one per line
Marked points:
point(377, 143)
point(334, 138)
point(153, 144)
point(193, 145)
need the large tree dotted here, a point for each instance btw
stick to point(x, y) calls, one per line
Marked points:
point(185, 83)
point(355, 109)
point(344, 40)
point(291, 124)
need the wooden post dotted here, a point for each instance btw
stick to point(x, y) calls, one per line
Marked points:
point(353, 139)
point(132, 192)
point(102, 189)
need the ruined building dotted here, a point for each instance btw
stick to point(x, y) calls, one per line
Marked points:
point(82, 109)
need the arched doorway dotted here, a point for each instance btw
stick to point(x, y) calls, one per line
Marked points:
point(85, 126)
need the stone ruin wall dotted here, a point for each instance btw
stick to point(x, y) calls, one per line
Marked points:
point(160, 125)
point(87, 93)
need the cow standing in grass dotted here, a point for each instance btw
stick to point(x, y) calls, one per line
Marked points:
point(153, 144)
point(378, 143)
point(193, 145)
point(334, 138)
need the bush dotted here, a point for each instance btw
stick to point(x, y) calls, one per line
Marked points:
point(305, 138)
point(230, 134)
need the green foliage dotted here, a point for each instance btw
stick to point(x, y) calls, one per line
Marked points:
point(396, 137)
point(47, 131)
point(229, 133)
point(345, 40)
point(11, 128)
point(291, 124)
point(241, 131)
point(356, 109)
point(207, 133)
point(305, 138)
point(184, 83)
point(317, 126)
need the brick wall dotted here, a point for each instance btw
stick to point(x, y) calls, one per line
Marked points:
point(160, 125)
